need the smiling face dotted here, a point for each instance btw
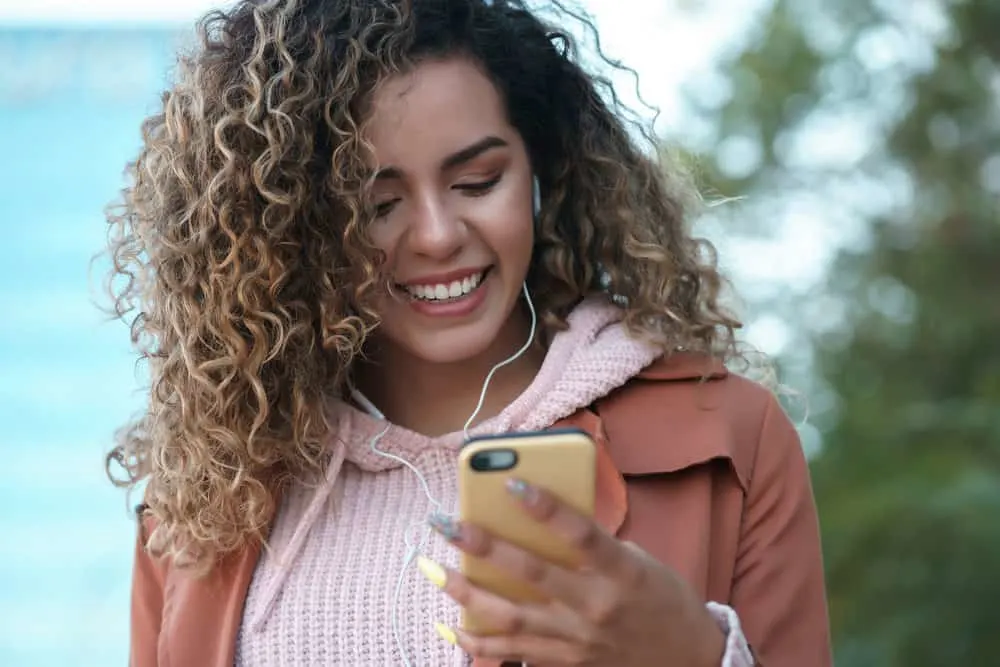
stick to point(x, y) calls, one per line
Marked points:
point(454, 201)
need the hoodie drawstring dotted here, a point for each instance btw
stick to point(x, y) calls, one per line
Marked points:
point(291, 551)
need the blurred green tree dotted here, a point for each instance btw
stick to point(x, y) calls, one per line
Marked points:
point(882, 119)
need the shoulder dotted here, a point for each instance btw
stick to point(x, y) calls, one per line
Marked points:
point(687, 409)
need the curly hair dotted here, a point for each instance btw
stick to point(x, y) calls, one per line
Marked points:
point(240, 257)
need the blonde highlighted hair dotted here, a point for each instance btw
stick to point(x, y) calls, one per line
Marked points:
point(241, 261)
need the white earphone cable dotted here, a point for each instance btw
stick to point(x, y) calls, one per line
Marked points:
point(489, 377)
point(413, 549)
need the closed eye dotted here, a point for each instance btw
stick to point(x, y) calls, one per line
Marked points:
point(480, 188)
point(384, 208)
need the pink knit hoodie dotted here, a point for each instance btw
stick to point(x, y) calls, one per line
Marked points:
point(338, 586)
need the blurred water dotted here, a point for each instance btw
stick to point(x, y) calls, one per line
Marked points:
point(71, 102)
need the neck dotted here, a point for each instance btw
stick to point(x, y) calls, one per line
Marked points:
point(434, 398)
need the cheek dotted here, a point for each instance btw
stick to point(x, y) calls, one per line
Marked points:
point(518, 241)
point(513, 236)
point(381, 237)
point(385, 242)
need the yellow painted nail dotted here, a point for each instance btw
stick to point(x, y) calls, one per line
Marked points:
point(434, 572)
point(446, 633)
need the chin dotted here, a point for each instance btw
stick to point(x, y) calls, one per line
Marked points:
point(448, 350)
point(456, 344)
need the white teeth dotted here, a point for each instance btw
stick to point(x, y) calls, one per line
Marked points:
point(441, 292)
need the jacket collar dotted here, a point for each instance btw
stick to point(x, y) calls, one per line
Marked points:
point(663, 421)
point(684, 366)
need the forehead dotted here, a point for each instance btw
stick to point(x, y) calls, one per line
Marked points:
point(430, 111)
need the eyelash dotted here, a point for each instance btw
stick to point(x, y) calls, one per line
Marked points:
point(385, 208)
point(481, 188)
point(471, 189)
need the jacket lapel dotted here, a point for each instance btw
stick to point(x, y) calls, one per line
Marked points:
point(662, 421)
point(207, 638)
point(611, 499)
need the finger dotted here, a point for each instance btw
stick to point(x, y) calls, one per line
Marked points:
point(526, 649)
point(505, 616)
point(638, 551)
point(571, 587)
point(599, 549)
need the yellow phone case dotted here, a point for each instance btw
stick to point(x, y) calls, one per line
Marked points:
point(562, 462)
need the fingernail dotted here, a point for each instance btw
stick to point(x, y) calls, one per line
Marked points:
point(445, 525)
point(432, 571)
point(521, 490)
point(445, 633)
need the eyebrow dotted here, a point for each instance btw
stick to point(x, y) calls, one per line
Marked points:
point(456, 159)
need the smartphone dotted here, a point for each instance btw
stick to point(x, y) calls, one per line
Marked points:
point(561, 461)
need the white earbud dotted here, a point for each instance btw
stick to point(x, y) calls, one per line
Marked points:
point(536, 197)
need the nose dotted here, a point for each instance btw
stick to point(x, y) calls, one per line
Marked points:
point(434, 231)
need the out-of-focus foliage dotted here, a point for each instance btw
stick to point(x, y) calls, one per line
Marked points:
point(887, 114)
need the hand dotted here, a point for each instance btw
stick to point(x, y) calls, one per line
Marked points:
point(620, 607)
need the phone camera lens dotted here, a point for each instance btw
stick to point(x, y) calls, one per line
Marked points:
point(493, 460)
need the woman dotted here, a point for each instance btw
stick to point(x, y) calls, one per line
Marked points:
point(359, 231)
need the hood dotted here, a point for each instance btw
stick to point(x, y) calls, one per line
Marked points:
point(592, 357)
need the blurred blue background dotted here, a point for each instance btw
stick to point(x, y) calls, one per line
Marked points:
point(71, 102)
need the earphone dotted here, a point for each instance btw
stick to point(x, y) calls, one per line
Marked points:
point(413, 549)
point(536, 197)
